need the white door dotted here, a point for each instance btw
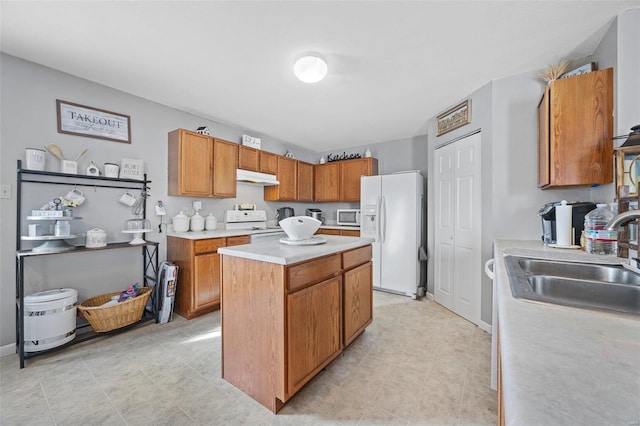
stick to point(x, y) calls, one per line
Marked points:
point(457, 261)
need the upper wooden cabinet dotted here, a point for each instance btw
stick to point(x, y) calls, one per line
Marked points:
point(327, 182)
point(201, 166)
point(287, 176)
point(190, 163)
point(248, 158)
point(305, 181)
point(575, 131)
point(350, 173)
point(268, 162)
point(340, 181)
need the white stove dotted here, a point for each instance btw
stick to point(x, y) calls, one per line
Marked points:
point(246, 219)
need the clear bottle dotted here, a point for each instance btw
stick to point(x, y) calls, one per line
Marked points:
point(598, 239)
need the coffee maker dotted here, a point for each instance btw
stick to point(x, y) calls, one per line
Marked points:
point(548, 215)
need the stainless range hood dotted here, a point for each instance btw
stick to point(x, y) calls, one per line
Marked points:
point(264, 179)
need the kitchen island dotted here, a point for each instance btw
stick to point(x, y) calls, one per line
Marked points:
point(288, 311)
point(564, 365)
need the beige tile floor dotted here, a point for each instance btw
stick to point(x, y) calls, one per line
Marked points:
point(417, 364)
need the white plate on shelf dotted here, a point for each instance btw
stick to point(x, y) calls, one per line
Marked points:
point(307, 242)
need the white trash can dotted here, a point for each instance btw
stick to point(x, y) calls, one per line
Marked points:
point(49, 319)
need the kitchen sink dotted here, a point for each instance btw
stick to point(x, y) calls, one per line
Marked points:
point(582, 285)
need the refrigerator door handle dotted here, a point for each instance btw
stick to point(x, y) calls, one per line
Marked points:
point(383, 219)
point(378, 219)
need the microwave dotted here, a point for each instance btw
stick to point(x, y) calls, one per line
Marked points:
point(349, 217)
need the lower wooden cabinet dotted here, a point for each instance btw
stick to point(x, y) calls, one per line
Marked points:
point(313, 321)
point(342, 232)
point(282, 324)
point(358, 301)
point(199, 273)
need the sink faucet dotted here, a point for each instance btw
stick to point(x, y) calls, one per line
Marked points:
point(622, 218)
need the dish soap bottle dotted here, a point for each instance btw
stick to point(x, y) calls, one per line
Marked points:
point(211, 222)
point(598, 239)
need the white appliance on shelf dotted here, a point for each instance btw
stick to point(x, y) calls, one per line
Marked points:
point(392, 213)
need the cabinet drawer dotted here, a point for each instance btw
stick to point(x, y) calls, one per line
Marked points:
point(236, 241)
point(209, 246)
point(313, 271)
point(328, 231)
point(356, 257)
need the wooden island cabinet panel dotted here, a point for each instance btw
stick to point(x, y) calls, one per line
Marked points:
point(314, 335)
point(282, 324)
point(358, 301)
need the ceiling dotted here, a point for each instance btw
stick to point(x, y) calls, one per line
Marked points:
point(392, 64)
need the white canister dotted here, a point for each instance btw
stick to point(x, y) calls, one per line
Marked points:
point(96, 237)
point(111, 170)
point(211, 222)
point(180, 222)
point(197, 222)
point(34, 158)
point(49, 319)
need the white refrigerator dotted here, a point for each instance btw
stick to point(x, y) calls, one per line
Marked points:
point(392, 213)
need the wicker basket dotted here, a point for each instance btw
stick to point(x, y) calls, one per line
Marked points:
point(108, 318)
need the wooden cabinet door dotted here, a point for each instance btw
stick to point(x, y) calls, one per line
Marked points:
point(322, 231)
point(305, 181)
point(543, 140)
point(190, 163)
point(268, 162)
point(207, 280)
point(580, 131)
point(225, 163)
point(350, 173)
point(358, 301)
point(287, 176)
point(313, 330)
point(327, 182)
point(248, 158)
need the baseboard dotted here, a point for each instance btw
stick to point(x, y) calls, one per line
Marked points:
point(484, 326)
point(429, 296)
point(7, 350)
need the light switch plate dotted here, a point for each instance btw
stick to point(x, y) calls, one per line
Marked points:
point(5, 191)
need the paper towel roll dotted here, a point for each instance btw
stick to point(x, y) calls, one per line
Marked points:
point(564, 224)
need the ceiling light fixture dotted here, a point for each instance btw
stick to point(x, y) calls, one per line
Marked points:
point(310, 68)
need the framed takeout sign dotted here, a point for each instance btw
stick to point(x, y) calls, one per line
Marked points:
point(81, 120)
point(455, 117)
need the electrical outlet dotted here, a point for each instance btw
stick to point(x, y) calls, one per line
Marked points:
point(5, 191)
point(160, 211)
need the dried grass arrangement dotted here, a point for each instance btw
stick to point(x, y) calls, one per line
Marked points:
point(553, 72)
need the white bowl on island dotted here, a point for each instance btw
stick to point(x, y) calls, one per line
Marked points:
point(300, 227)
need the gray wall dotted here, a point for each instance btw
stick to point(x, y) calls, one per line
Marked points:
point(28, 118)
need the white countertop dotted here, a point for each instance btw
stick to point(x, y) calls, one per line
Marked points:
point(563, 365)
point(350, 228)
point(272, 251)
point(221, 233)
